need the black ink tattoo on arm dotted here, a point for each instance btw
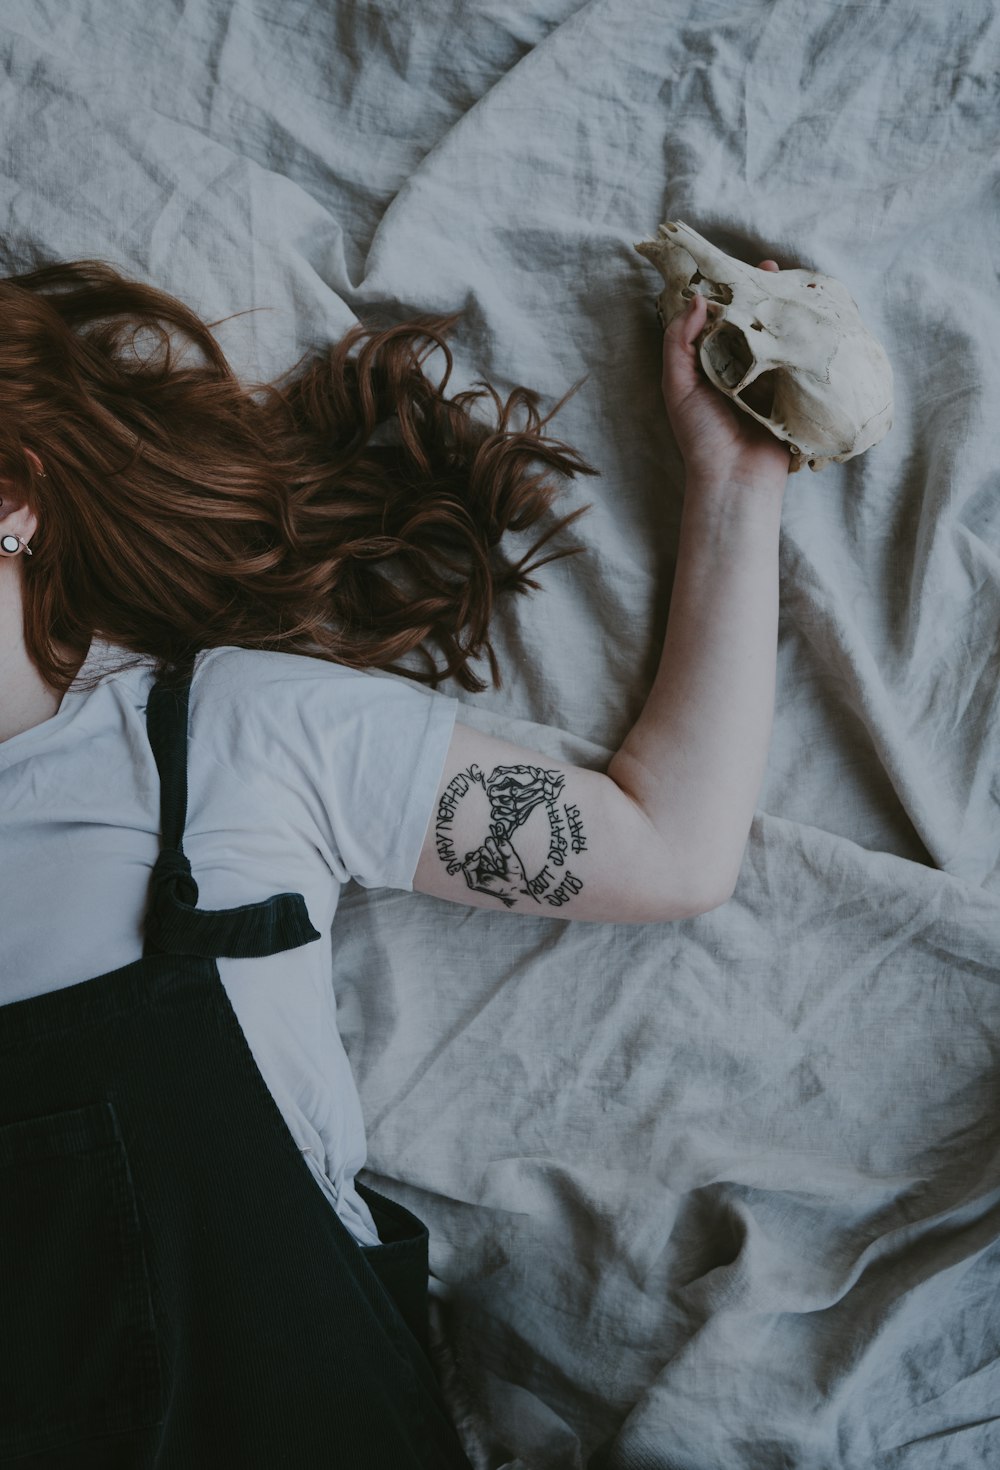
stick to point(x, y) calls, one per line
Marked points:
point(496, 867)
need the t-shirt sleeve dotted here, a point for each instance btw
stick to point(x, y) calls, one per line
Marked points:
point(355, 758)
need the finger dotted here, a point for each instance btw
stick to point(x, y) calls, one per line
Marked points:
point(680, 360)
point(685, 324)
point(769, 265)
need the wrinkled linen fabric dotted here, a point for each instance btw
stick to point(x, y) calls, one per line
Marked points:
point(716, 1193)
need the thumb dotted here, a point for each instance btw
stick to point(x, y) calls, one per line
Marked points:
point(680, 359)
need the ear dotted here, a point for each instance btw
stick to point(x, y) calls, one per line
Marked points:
point(39, 467)
point(15, 517)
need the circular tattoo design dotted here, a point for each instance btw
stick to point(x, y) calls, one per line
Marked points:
point(496, 867)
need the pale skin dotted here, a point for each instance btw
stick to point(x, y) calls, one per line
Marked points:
point(660, 834)
point(27, 699)
point(695, 759)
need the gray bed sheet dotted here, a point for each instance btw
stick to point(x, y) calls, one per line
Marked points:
point(721, 1194)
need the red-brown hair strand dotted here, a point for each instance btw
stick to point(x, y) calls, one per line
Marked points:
point(181, 510)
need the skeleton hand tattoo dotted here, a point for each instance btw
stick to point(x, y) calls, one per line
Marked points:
point(496, 867)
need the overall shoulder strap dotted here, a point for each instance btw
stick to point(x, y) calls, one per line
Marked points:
point(167, 729)
point(173, 925)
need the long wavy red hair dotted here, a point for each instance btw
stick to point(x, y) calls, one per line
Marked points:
point(182, 510)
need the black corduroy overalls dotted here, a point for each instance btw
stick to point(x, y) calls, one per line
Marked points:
point(175, 1290)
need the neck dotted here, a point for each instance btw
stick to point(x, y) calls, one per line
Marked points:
point(25, 698)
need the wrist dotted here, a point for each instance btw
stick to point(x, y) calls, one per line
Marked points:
point(738, 482)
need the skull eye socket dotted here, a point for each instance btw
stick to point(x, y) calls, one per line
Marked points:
point(731, 359)
point(729, 354)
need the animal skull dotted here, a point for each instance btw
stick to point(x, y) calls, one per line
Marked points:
point(788, 347)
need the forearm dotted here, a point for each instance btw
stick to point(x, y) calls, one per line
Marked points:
point(694, 760)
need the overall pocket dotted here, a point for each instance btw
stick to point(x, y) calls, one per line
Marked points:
point(78, 1349)
point(401, 1260)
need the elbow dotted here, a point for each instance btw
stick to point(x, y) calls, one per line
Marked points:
point(715, 902)
point(671, 907)
point(717, 887)
point(702, 903)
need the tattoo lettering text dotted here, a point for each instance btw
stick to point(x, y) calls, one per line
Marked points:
point(575, 828)
point(505, 800)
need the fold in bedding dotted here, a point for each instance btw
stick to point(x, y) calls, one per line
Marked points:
point(726, 1191)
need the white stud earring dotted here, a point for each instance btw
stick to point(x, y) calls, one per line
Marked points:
point(10, 543)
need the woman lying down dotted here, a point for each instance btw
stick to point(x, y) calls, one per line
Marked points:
point(195, 578)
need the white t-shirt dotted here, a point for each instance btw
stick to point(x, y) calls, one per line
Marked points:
point(302, 774)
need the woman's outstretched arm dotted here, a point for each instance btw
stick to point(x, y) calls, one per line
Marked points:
point(661, 834)
point(694, 760)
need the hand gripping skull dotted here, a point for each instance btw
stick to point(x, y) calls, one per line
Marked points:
point(788, 347)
